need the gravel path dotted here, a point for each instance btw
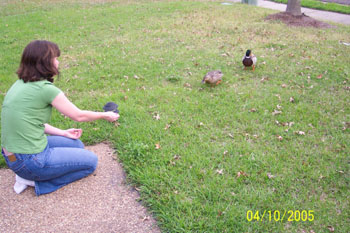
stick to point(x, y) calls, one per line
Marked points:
point(101, 202)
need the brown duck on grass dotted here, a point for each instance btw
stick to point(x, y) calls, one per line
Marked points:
point(249, 60)
point(213, 77)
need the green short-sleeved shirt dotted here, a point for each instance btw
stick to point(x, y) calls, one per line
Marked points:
point(26, 108)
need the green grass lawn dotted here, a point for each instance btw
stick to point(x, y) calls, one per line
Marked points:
point(326, 6)
point(203, 157)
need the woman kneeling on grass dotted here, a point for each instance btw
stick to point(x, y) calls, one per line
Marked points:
point(45, 162)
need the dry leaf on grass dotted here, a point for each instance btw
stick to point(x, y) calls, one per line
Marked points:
point(323, 197)
point(300, 132)
point(330, 228)
point(263, 79)
point(321, 177)
point(187, 85)
point(276, 112)
point(220, 213)
point(220, 171)
point(156, 116)
point(241, 173)
point(290, 124)
point(270, 175)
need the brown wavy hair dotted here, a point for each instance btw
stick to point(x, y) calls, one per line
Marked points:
point(37, 61)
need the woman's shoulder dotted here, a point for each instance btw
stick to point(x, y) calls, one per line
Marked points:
point(35, 83)
point(44, 84)
point(49, 90)
point(45, 88)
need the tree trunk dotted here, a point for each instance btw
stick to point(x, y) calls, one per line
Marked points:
point(294, 7)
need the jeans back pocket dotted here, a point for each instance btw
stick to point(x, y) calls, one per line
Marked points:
point(39, 159)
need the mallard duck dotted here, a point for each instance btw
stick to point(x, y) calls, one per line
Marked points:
point(249, 59)
point(213, 77)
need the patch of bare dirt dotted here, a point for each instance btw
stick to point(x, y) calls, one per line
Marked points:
point(298, 21)
point(101, 202)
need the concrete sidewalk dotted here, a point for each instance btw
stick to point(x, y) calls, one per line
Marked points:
point(317, 14)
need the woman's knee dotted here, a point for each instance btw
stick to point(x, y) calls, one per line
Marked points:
point(60, 141)
point(93, 161)
point(79, 144)
point(75, 143)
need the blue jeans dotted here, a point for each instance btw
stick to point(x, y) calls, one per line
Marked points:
point(63, 161)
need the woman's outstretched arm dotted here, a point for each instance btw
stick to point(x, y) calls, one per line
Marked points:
point(67, 108)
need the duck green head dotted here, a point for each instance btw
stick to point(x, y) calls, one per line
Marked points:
point(248, 52)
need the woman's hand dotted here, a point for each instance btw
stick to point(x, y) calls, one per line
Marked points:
point(73, 133)
point(69, 133)
point(110, 116)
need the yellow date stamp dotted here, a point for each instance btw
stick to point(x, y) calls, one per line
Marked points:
point(280, 216)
